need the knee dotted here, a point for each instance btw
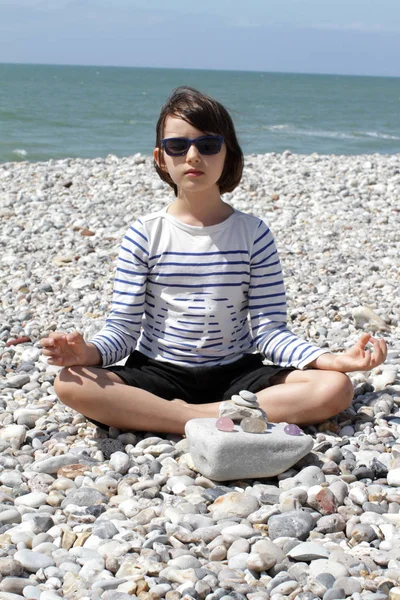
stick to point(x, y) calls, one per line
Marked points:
point(339, 391)
point(65, 383)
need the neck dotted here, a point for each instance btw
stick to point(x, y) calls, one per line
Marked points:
point(200, 209)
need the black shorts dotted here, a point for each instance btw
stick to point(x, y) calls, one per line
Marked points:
point(196, 385)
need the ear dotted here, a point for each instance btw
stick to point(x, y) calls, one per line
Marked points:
point(158, 158)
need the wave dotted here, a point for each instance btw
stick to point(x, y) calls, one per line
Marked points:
point(287, 129)
point(381, 136)
point(20, 152)
point(293, 130)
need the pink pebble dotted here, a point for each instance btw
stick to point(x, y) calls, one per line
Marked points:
point(292, 429)
point(225, 424)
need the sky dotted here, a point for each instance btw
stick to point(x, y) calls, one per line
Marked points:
point(349, 37)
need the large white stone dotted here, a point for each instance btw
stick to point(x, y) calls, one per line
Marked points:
point(393, 477)
point(14, 434)
point(223, 456)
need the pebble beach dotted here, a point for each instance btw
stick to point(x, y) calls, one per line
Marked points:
point(85, 515)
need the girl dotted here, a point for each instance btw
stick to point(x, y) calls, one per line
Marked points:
point(199, 302)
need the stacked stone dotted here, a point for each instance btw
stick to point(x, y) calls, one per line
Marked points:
point(242, 408)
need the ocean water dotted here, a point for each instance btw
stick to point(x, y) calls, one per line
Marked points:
point(69, 111)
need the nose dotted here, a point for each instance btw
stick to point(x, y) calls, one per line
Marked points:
point(193, 155)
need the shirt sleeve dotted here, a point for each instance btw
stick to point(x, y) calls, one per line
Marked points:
point(118, 337)
point(267, 308)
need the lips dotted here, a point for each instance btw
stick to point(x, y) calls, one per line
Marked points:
point(194, 172)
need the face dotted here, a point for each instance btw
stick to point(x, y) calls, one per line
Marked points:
point(193, 172)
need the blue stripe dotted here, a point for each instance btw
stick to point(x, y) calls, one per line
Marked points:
point(109, 341)
point(120, 293)
point(190, 346)
point(139, 233)
point(305, 350)
point(128, 303)
point(210, 285)
point(212, 345)
point(253, 287)
point(180, 337)
point(244, 337)
point(137, 245)
point(134, 255)
point(291, 341)
point(126, 314)
point(295, 350)
point(261, 250)
point(266, 296)
point(269, 275)
point(263, 266)
point(265, 259)
point(288, 336)
point(254, 306)
point(119, 270)
point(119, 339)
point(269, 314)
point(188, 330)
point(245, 251)
point(266, 232)
point(207, 360)
point(202, 264)
point(278, 332)
point(314, 351)
point(124, 281)
point(188, 274)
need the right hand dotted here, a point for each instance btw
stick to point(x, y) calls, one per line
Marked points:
point(69, 349)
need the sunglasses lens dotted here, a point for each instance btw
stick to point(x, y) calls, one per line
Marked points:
point(176, 146)
point(209, 145)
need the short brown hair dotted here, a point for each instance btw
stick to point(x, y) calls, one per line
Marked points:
point(208, 115)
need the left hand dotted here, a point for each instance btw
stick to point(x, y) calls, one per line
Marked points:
point(356, 358)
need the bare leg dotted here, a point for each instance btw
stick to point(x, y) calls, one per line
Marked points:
point(301, 397)
point(101, 395)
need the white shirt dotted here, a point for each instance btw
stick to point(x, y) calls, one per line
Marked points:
point(200, 295)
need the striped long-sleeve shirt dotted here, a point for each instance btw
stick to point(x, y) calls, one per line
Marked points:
point(200, 295)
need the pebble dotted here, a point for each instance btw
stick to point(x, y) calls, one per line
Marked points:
point(240, 401)
point(308, 551)
point(84, 512)
point(296, 523)
point(33, 561)
point(233, 504)
point(393, 477)
point(253, 425)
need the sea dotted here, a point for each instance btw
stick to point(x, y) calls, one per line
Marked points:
point(53, 112)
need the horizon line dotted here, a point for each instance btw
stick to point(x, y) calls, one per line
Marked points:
point(42, 64)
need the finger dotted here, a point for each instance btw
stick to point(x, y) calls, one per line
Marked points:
point(75, 338)
point(47, 342)
point(363, 340)
point(384, 348)
point(369, 360)
point(54, 339)
point(51, 351)
point(379, 352)
point(57, 335)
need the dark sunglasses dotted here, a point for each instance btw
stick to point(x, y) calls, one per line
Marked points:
point(205, 144)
